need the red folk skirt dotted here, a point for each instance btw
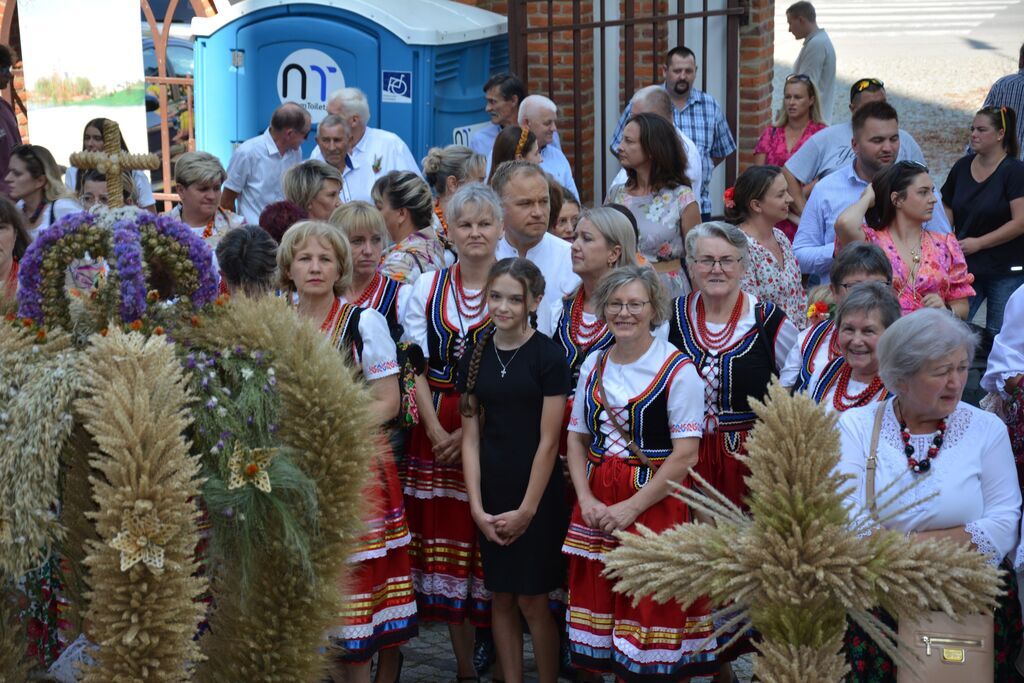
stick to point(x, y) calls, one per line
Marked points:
point(380, 607)
point(718, 464)
point(607, 633)
point(446, 570)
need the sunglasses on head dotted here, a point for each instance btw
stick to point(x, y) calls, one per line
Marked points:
point(913, 165)
point(798, 77)
point(865, 83)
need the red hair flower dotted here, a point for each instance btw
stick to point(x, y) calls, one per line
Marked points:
point(728, 196)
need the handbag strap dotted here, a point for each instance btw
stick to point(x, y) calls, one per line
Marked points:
point(630, 444)
point(869, 482)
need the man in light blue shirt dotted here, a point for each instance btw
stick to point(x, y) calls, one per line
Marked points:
point(504, 93)
point(876, 145)
point(539, 114)
point(830, 149)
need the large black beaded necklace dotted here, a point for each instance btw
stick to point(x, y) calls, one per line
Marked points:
point(924, 464)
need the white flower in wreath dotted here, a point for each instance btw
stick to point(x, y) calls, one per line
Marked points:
point(142, 538)
point(247, 466)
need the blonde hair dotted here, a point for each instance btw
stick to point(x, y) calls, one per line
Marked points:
point(296, 237)
point(814, 114)
point(198, 167)
point(39, 162)
point(360, 216)
point(616, 230)
point(303, 181)
point(454, 160)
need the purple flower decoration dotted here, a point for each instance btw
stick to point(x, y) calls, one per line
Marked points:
point(198, 253)
point(128, 262)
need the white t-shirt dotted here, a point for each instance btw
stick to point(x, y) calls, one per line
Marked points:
point(143, 188)
point(379, 358)
point(55, 210)
point(1006, 359)
point(414, 312)
point(625, 382)
point(553, 256)
point(974, 478)
point(255, 173)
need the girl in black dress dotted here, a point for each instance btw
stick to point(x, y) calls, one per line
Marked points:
point(515, 385)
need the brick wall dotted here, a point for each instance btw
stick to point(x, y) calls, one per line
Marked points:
point(757, 46)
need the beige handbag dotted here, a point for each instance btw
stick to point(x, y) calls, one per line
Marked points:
point(951, 652)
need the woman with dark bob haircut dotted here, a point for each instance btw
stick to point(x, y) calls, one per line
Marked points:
point(659, 195)
point(929, 269)
point(247, 257)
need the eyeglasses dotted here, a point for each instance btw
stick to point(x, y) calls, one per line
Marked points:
point(727, 263)
point(913, 165)
point(798, 77)
point(634, 307)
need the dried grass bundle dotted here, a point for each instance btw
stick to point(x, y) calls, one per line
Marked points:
point(37, 384)
point(142, 607)
point(276, 630)
point(796, 567)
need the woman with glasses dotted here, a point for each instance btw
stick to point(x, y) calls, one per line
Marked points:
point(799, 118)
point(659, 195)
point(635, 427)
point(737, 343)
point(93, 141)
point(35, 186)
point(760, 200)
point(984, 199)
point(929, 269)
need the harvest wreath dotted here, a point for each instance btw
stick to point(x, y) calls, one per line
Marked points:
point(146, 418)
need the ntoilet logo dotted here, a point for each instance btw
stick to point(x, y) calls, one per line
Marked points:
point(308, 77)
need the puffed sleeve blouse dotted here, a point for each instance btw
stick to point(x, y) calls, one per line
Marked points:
point(973, 476)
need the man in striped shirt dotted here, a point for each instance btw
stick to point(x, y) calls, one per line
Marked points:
point(1008, 91)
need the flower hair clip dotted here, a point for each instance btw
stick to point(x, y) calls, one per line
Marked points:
point(729, 197)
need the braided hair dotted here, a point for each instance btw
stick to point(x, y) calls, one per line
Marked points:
point(532, 280)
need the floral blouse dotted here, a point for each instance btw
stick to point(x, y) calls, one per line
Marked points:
point(942, 270)
point(659, 219)
point(779, 283)
point(420, 252)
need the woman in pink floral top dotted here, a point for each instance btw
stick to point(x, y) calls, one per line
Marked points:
point(405, 201)
point(658, 194)
point(929, 269)
point(756, 203)
point(799, 119)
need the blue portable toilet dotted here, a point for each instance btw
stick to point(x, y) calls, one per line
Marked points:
point(421, 63)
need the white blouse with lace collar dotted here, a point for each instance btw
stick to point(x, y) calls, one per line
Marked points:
point(973, 476)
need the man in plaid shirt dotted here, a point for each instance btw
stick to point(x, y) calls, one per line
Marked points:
point(696, 113)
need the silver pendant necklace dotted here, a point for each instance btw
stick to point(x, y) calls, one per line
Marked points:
point(504, 366)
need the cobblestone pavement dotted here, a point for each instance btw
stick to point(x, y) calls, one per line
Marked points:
point(428, 659)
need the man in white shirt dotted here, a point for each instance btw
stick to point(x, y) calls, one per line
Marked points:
point(373, 152)
point(258, 164)
point(333, 138)
point(817, 57)
point(876, 145)
point(503, 92)
point(654, 99)
point(523, 190)
point(539, 114)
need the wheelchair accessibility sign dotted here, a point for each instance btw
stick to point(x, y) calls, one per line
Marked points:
point(396, 87)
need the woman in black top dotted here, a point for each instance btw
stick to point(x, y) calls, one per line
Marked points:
point(514, 387)
point(984, 200)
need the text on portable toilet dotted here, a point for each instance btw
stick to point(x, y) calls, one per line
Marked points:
point(308, 77)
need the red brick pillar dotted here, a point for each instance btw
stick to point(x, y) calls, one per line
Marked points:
point(757, 47)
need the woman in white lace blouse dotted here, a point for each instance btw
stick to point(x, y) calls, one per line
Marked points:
point(960, 453)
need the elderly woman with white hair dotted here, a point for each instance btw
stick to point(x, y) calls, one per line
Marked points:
point(737, 342)
point(635, 428)
point(966, 488)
